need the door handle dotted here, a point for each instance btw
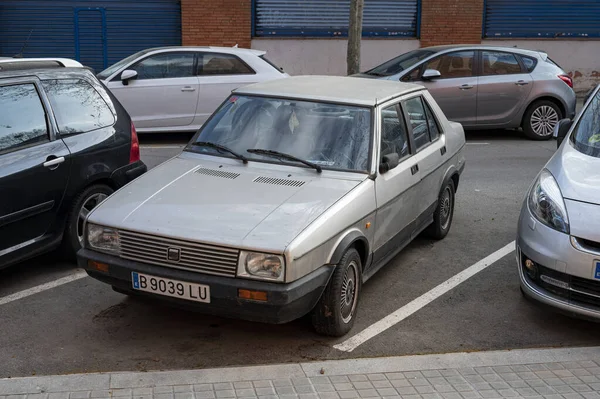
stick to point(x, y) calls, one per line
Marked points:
point(188, 88)
point(465, 87)
point(521, 83)
point(53, 162)
point(414, 169)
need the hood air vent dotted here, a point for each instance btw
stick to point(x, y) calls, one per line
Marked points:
point(217, 173)
point(279, 182)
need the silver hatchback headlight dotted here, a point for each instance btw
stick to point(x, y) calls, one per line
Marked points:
point(261, 266)
point(546, 203)
point(103, 239)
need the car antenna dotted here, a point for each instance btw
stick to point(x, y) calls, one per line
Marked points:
point(20, 55)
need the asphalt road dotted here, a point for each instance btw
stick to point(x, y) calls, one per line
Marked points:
point(84, 326)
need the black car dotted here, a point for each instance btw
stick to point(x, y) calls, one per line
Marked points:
point(65, 145)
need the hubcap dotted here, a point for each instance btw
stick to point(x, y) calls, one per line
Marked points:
point(349, 294)
point(543, 120)
point(446, 208)
point(89, 204)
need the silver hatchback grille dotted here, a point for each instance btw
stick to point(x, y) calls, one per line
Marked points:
point(279, 182)
point(180, 254)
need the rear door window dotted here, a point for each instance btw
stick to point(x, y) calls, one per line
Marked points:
point(499, 63)
point(22, 117)
point(78, 107)
point(418, 120)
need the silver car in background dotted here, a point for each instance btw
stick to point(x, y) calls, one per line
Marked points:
point(292, 195)
point(558, 239)
point(487, 87)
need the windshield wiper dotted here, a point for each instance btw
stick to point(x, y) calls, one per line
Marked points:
point(221, 148)
point(277, 154)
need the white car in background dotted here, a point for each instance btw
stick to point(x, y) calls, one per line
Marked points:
point(178, 88)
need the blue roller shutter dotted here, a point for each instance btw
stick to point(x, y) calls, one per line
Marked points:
point(541, 18)
point(96, 33)
point(329, 18)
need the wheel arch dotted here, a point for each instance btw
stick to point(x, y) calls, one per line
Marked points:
point(352, 239)
point(545, 97)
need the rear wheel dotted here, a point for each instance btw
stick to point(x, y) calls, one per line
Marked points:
point(442, 218)
point(540, 119)
point(336, 310)
point(82, 206)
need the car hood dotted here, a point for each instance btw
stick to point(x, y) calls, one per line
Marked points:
point(223, 202)
point(577, 174)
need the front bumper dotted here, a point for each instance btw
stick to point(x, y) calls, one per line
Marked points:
point(285, 302)
point(565, 275)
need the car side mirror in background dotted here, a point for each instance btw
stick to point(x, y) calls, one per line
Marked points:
point(128, 75)
point(431, 74)
point(389, 162)
point(561, 129)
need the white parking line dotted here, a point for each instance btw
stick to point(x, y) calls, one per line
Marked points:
point(394, 318)
point(79, 274)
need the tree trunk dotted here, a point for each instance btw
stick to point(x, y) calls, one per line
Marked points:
point(354, 36)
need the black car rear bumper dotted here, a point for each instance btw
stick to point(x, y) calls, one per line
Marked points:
point(127, 173)
point(285, 302)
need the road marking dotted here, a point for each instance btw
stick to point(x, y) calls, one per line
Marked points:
point(43, 287)
point(394, 318)
point(475, 143)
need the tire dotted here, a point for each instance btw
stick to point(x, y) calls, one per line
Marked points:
point(444, 212)
point(540, 119)
point(335, 312)
point(90, 197)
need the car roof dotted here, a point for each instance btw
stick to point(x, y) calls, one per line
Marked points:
point(65, 62)
point(449, 47)
point(227, 50)
point(47, 73)
point(337, 89)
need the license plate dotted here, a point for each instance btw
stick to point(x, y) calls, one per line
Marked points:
point(597, 270)
point(172, 288)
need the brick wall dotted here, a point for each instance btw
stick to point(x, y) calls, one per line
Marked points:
point(216, 22)
point(451, 22)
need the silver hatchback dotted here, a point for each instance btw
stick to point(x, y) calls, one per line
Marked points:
point(487, 87)
point(558, 240)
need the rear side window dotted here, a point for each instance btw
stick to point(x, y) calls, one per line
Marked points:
point(222, 64)
point(78, 107)
point(265, 59)
point(434, 129)
point(22, 117)
point(529, 63)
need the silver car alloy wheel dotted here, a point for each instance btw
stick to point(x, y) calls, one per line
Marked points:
point(349, 294)
point(543, 120)
point(446, 208)
point(90, 203)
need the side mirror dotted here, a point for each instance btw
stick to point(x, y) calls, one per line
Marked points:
point(561, 129)
point(128, 75)
point(431, 74)
point(389, 162)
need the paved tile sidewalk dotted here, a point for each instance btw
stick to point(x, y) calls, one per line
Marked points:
point(532, 374)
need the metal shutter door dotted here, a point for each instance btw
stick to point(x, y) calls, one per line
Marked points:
point(329, 18)
point(541, 18)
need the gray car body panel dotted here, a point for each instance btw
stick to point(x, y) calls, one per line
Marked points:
point(502, 103)
point(306, 223)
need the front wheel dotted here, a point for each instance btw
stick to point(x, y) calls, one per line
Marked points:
point(540, 119)
point(336, 310)
point(82, 206)
point(442, 218)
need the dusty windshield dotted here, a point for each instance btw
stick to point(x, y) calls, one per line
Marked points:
point(586, 136)
point(400, 63)
point(329, 135)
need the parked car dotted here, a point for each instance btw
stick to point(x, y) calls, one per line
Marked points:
point(558, 240)
point(292, 195)
point(489, 86)
point(178, 88)
point(65, 145)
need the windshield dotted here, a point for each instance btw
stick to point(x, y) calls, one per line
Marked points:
point(329, 135)
point(400, 63)
point(586, 136)
point(115, 67)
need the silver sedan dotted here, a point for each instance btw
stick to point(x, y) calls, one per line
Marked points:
point(558, 240)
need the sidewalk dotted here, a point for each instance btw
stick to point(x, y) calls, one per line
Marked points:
point(572, 373)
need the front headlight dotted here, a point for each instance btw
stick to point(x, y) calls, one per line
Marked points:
point(261, 266)
point(102, 238)
point(547, 204)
